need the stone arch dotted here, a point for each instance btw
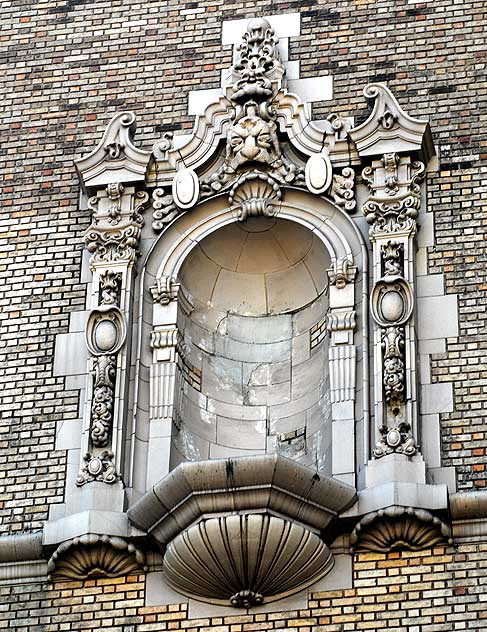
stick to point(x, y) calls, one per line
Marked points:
point(346, 324)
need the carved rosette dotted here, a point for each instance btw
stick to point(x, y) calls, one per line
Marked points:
point(98, 468)
point(94, 555)
point(244, 560)
point(399, 528)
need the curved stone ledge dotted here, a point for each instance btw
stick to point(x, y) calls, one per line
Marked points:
point(242, 531)
point(256, 483)
point(21, 548)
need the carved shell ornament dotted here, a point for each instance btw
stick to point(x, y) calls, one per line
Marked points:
point(94, 555)
point(244, 560)
point(399, 529)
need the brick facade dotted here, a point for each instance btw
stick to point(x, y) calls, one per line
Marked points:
point(429, 591)
point(67, 67)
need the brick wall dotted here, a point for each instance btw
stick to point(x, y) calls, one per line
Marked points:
point(66, 66)
point(428, 591)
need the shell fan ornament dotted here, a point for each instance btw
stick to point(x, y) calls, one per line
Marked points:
point(94, 555)
point(399, 529)
point(245, 560)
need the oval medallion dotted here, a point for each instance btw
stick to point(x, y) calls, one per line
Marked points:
point(318, 173)
point(95, 466)
point(105, 336)
point(185, 188)
point(392, 306)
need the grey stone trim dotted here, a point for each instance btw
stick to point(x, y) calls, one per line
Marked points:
point(17, 548)
point(264, 483)
point(23, 573)
point(468, 505)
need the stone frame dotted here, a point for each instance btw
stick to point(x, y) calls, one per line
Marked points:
point(348, 305)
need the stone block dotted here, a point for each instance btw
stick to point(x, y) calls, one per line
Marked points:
point(70, 354)
point(158, 593)
point(222, 452)
point(269, 395)
point(221, 380)
point(199, 100)
point(232, 411)
point(305, 318)
point(395, 467)
point(262, 374)
point(295, 406)
point(90, 521)
point(437, 317)
point(248, 352)
point(431, 285)
point(312, 89)
point(284, 25)
point(437, 398)
point(339, 578)
point(443, 476)
point(407, 494)
point(301, 348)
point(343, 446)
point(308, 375)
point(259, 330)
point(198, 421)
point(77, 320)
point(158, 459)
point(68, 434)
point(296, 277)
point(246, 435)
point(288, 424)
point(426, 234)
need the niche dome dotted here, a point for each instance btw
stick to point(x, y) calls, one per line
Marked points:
point(260, 267)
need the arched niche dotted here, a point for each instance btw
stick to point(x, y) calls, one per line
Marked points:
point(188, 287)
point(254, 351)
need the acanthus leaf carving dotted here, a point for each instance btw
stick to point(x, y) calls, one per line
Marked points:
point(165, 290)
point(165, 209)
point(103, 397)
point(253, 154)
point(341, 273)
point(393, 366)
point(390, 162)
point(342, 190)
point(114, 193)
point(395, 213)
point(109, 243)
point(110, 285)
point(392, 257)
